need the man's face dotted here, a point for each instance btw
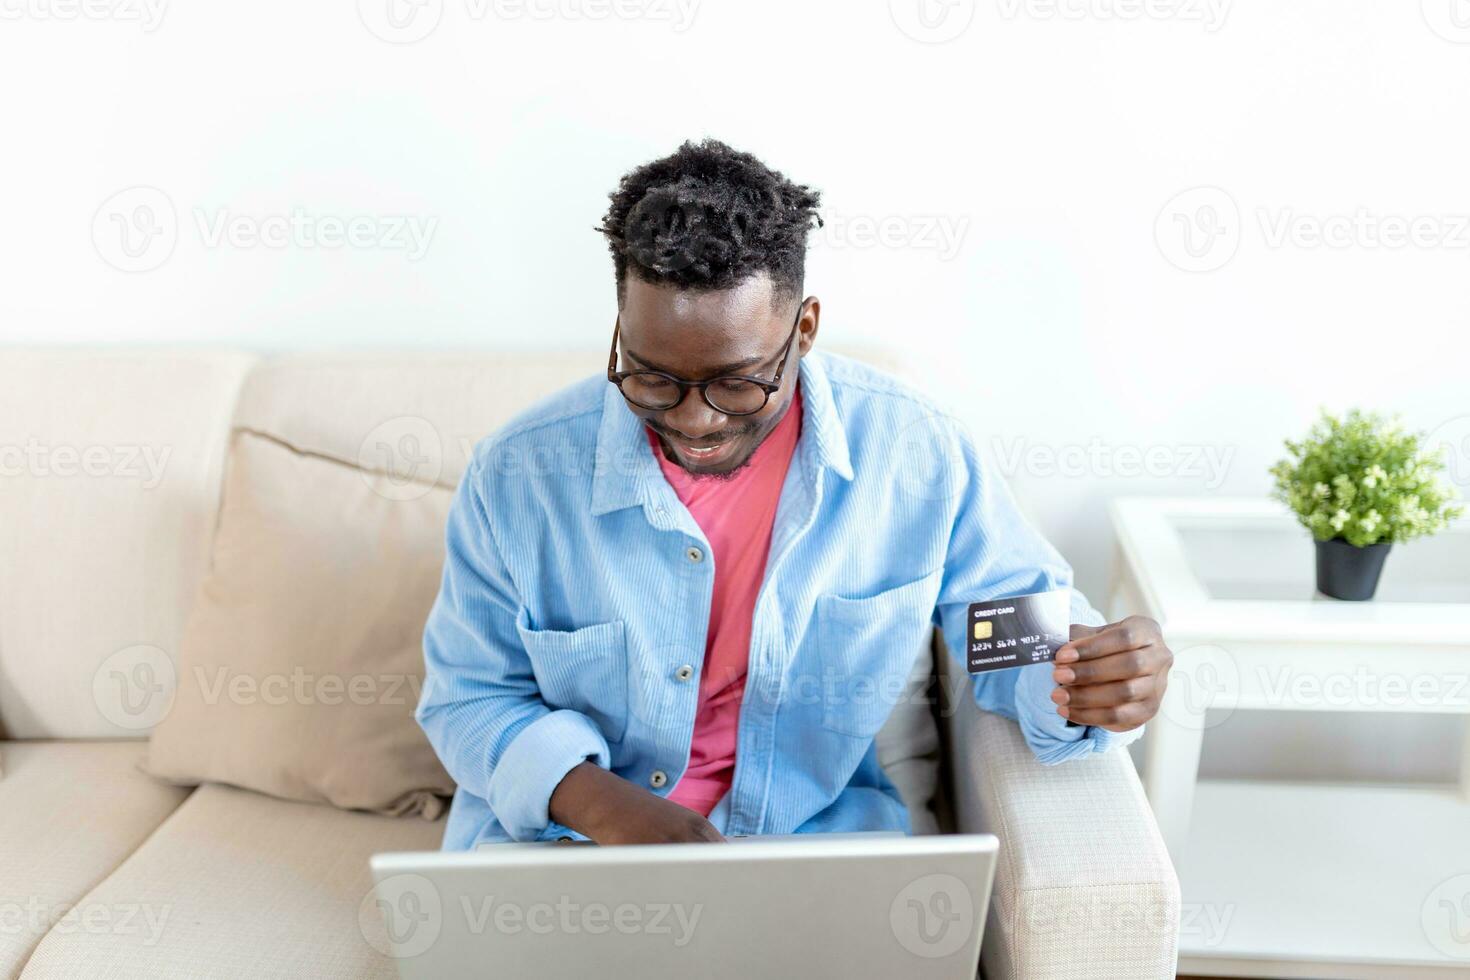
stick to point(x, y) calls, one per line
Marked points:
point(699, 336)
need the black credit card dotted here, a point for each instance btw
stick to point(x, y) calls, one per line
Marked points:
point(1028, 629)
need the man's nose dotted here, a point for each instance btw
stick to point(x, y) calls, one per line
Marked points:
point(693, 417)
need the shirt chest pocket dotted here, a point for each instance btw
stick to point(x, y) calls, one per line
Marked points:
point(582, 670)
point(867, 647)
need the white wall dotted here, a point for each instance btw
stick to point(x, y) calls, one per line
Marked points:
point(1050, 139)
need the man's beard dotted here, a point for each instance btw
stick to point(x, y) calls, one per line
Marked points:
point(673, 457)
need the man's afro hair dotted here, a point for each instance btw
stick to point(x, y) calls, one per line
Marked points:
point(709, 217)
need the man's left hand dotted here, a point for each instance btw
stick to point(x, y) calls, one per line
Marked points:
point(1112, 676)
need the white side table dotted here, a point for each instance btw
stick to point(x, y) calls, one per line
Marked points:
point(1302, 879)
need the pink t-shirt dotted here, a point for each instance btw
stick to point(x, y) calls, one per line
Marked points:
point(736, 515)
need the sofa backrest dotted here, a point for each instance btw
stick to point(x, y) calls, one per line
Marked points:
point(110, 466)
point(111, 473)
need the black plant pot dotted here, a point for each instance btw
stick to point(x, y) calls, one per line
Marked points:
point(1346, 571)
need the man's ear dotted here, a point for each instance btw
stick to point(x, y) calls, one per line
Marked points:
point(810, 318)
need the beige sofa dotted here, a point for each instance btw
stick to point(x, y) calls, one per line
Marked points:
point(110, 475)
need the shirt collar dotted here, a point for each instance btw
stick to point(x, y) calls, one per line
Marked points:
point(624, 465)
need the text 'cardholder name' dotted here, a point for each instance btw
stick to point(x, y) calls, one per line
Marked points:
point(1028, 629)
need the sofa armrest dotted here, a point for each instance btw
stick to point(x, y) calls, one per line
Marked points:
point(1084, 887)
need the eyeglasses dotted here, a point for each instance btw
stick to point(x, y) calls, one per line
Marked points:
point(731, 394)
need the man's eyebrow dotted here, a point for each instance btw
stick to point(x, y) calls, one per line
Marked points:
point(733, 367)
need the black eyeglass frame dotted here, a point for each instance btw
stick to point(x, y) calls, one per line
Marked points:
point(769, 387)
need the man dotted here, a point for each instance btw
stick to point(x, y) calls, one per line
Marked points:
point(680, 599)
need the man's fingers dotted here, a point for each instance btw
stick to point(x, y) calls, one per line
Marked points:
point(1106, 695)
point(1115, 667)
point(1131, 634)
point(1121, 717)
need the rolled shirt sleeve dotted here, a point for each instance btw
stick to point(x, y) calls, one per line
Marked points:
point(994, 552)
point(480, 706)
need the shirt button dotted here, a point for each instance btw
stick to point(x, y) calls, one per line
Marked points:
point(658, 779)
point(684, 673)
point(694, 554)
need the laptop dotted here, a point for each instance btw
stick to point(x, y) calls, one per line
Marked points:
point(808, 906)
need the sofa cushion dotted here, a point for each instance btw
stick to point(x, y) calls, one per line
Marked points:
point(301, 663)
point(70, 812)
point(243, 885)
point(121, 453)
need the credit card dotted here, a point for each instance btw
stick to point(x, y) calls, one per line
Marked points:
point(1028, 629)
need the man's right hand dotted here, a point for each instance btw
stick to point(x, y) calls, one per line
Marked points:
point(610, 810)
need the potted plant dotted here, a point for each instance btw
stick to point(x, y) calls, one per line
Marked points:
point(1361, 484)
